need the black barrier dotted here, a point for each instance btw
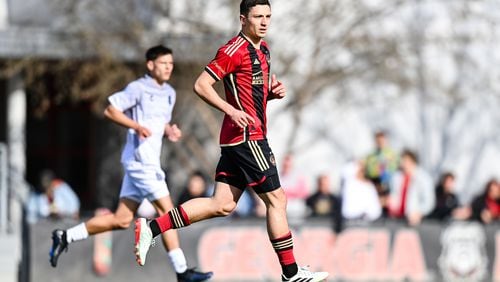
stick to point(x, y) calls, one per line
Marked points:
point(238, 250)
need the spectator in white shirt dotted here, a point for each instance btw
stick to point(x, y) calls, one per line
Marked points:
point(359, 196)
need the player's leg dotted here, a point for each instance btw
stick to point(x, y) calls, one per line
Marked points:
point(280, 234)
point(222, 203)
point(103, 248)
point(277, 224)
point(130, 197)
point(171, 243)
point(170, 239)
point(121, 219)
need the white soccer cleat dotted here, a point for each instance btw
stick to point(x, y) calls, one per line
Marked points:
point(143, 240)
point(305, 275)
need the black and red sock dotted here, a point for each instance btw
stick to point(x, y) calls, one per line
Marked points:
point(174, 219)
point(283, 246)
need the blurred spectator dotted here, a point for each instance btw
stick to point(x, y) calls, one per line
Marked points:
point(359, 196)
point(381, 164)
point(52, 198)
point(196, 187)
point(486, 207)
point(295, 186)
point(260, 207)
point(447, 204)
point(323, 203)
point(411, 191)
point(247, 205)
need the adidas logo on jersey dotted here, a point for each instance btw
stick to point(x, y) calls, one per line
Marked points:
point(256, 62)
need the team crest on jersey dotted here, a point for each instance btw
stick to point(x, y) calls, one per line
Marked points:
point(266, 53)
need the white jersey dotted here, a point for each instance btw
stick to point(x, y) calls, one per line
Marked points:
point(150, 105)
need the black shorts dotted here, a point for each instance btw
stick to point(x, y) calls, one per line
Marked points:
point(249, 164)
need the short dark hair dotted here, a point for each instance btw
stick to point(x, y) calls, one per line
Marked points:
point(198, 173)
point(246, 5)
point(45, 177)
point(410, 154)
point(156, 51)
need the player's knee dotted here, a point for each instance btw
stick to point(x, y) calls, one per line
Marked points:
point(276, 199)
point(225, 209)
point(123, 222)
point(278, 204)
point(282, 201)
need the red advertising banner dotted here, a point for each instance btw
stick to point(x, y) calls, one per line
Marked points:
point(390, 251)
point(239, 250)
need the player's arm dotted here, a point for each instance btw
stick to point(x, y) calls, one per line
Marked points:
point(120, 118)
point(204, 88)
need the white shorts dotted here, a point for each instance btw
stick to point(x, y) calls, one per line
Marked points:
point(143, 182)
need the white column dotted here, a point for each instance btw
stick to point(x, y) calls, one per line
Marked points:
point(4, 14)
point(4, 192)
point(10, 241)
point(16, 122)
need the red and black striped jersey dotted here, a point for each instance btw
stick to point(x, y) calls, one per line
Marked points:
point(245, 73)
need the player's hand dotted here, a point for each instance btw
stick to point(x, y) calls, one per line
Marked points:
point(414, 219)
point(277, 88)
point(173, 132)
point(142, 132)
point(241, 119)
point(486, 216)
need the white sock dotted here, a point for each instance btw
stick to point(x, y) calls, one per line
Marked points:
point(178, 260)
point(77, 233)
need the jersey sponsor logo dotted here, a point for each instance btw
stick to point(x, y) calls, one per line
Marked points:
point(256, 62)
point(258, 79)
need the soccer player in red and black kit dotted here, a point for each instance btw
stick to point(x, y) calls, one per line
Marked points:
point(246, 159)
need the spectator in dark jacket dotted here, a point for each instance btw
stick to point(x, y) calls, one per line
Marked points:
point(486, 207)
point(323, 203)
point(447, 204)
point(196, 187)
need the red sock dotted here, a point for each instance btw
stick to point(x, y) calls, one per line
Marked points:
point(174, 219)
point(284, 248)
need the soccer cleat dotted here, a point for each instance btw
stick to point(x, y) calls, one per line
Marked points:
point(305, 275)
point(59, 244)
point(143, 240)
point(191, 275)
